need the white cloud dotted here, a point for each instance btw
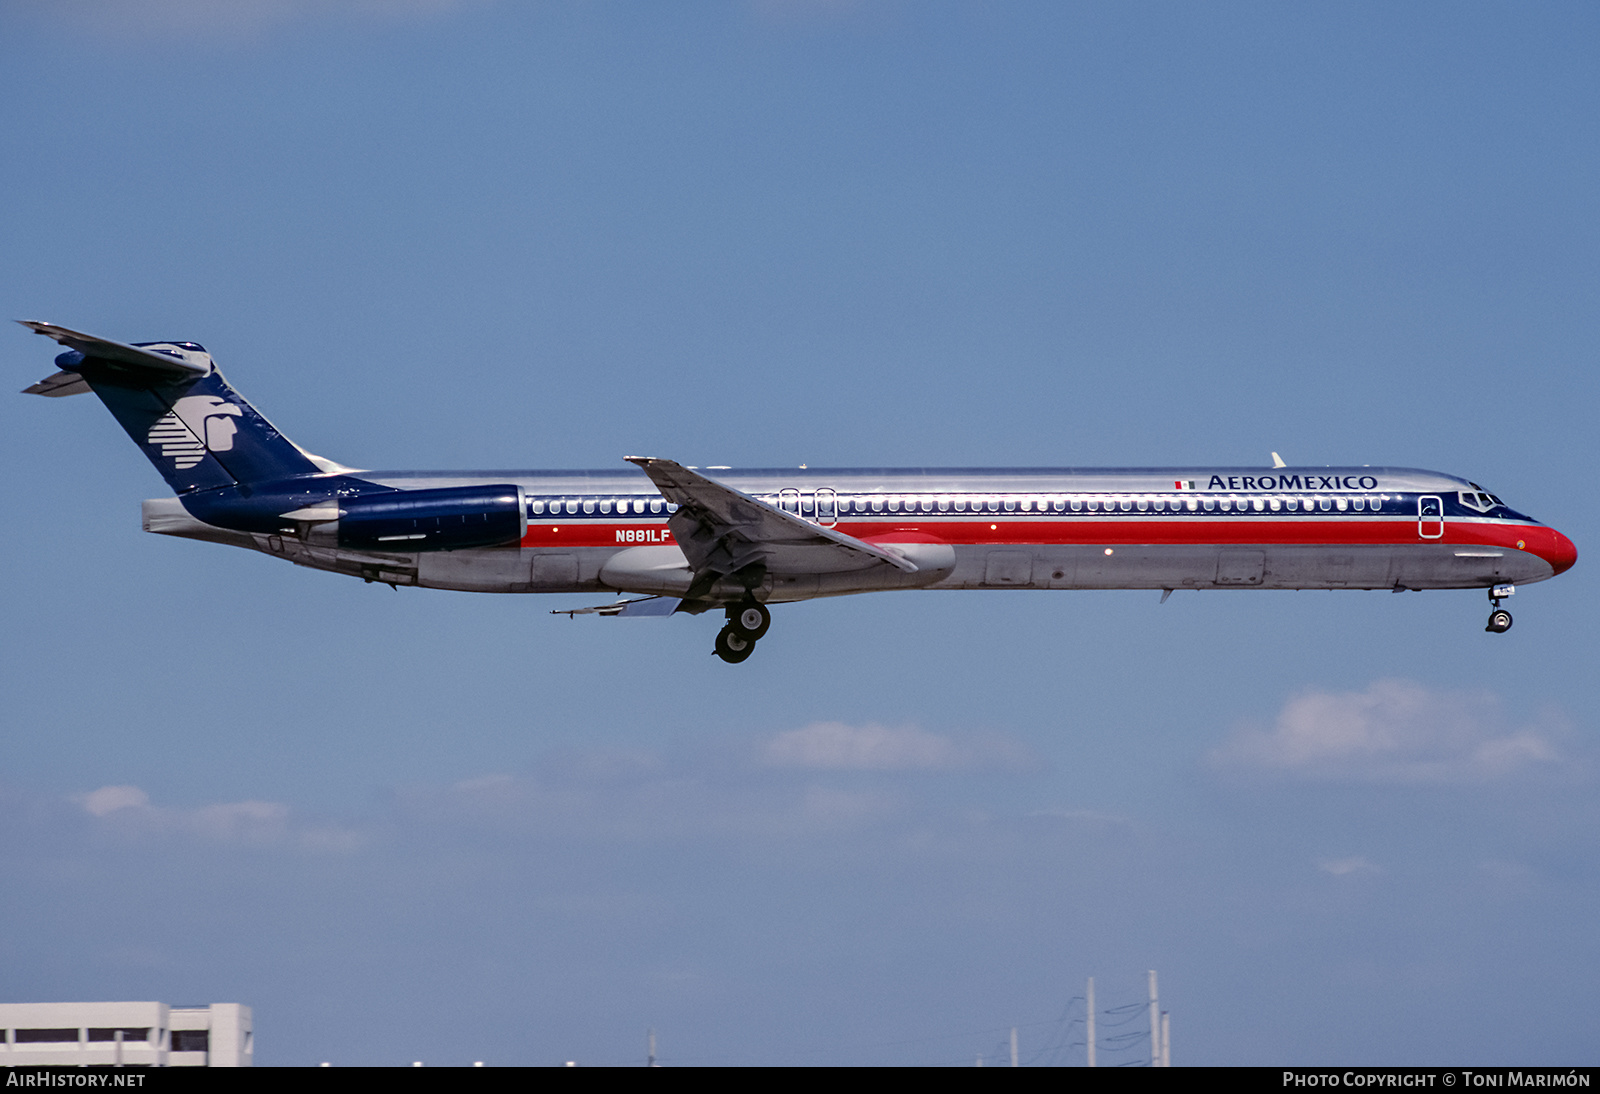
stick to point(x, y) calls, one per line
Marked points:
point(834, 746)
point(126, 811)
point(108, 799)
point(1395, 731)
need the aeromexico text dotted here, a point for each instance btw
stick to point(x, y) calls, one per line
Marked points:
point(1292, 482)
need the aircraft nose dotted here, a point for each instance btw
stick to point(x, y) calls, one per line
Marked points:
point(1556, 549)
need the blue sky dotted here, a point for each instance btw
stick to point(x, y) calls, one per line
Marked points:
point(409, 825)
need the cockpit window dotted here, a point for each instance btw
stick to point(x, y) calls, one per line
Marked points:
point(1480, 500)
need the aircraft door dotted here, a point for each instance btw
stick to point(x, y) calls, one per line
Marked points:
point(1430, 516)
point(789, 501)
point(827, 507)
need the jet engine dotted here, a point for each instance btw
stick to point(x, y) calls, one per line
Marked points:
point(451, 519)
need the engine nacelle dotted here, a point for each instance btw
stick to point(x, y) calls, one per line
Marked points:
point(451, 519)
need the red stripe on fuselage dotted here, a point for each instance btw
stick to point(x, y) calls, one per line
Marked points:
point(1172, 531)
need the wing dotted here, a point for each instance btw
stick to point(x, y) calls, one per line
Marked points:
point(643, 607)
point(724, 532)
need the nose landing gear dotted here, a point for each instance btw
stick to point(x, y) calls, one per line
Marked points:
point(747, 622)
point(1499, 618)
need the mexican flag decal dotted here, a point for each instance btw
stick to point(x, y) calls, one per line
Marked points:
point(1183, 484)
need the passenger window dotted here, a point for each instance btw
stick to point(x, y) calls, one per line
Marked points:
point(588, 505)
point(1341, 503)
point(1077, 505)
point(1010, 505)
point(1358, 504)
point(1274, 504)
point(877, 505)
point(538, 507)
point(1159, 505)
point(961, 505)
point(1143, 505)
point(1324, 504)
point(944, 505)
point(992, 504)
point(1192, 505)
point(1225, 504)
point(1059, 505)
point(1126, 505)
point(1209, 504)
point(572, 505)
point(926, 505)
point(1094, 505)
point(605, 506)
point(1372, 503)
point(894, 505)
point(655, 505)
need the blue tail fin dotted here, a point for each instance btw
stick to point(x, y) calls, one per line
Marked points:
point(197, 431)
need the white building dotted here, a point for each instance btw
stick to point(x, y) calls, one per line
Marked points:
point(126, 1034)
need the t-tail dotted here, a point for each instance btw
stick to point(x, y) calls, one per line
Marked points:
point(197, 431)
point(233, 471)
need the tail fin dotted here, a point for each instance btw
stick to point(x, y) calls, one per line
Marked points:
point(197, 431)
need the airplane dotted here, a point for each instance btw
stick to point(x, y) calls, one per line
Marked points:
point(672, 538)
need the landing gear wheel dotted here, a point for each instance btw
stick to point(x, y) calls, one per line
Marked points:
point(1499, 621)
point(751, 619)
point(732, 646)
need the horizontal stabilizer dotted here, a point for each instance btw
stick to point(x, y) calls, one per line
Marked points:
point(58, 386)
point(132, 358)
point(644, 607)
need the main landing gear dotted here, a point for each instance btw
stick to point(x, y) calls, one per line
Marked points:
point(747, 622)
point(1499, 618)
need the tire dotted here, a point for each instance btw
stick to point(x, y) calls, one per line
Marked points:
point(751, 619)
point(732, 646)
point(1499, 621)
